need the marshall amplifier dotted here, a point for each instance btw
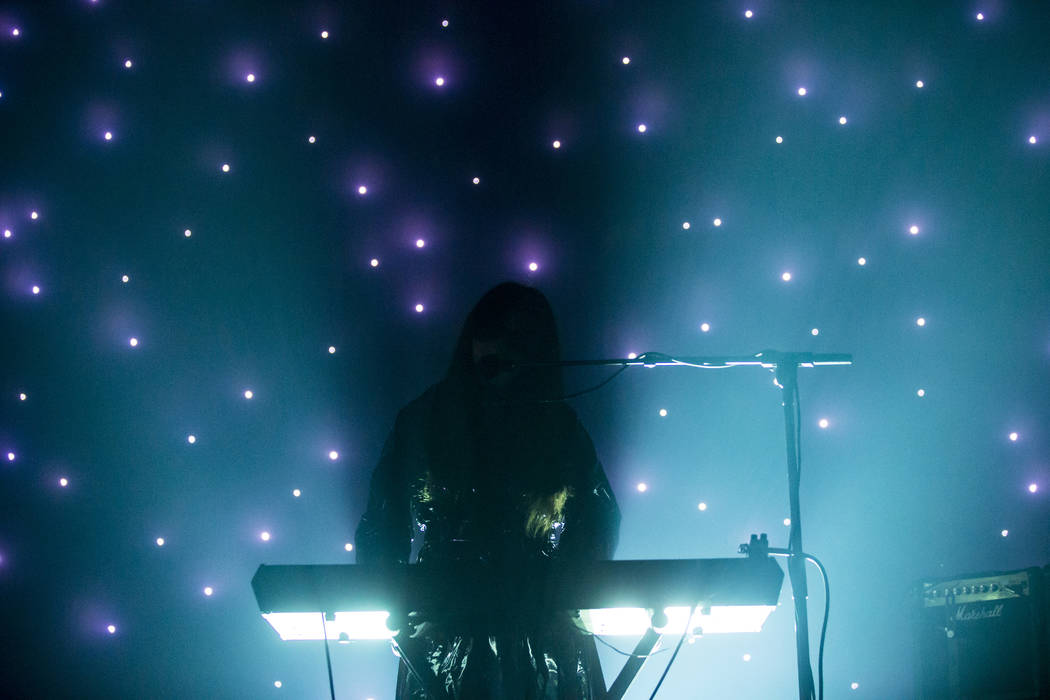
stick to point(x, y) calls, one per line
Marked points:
point(983, 636)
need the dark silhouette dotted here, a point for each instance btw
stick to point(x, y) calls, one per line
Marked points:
point(489, 465)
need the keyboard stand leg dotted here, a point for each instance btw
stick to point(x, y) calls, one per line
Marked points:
point(634, 665)
point(411, 653)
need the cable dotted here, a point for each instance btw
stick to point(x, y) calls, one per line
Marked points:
point(621, 652)
point(778, 552)
point(675, 654)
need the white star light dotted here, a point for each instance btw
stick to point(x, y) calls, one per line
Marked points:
point(642, 128)
point(419, 308)
point(226, 167)
point(749, 14)
point(919, 84)
point(780, 139)
point(1013, 437)
point(208, 590)
point(333, 455)
point(192, 439)
point(862, 261)
point(324, 33)
point(420, 243)
point(920, 322)
point(1033, 140)
point(642, 487)
point(815, 331)
point(128, 63)
point(802, 92)
point(7, 233)
point(705, 327)
point(913, 230)
point(248, 393)
point(112, 629)
point(296, 493)
point(331, 349)
point(312, 139)
point(786, 276)
point(63, 482)
point(160, 541)
point(663, 412)
point(823, 423)
point(34, 215)
point(980, 16)
point(556, 144)
point(187, 233)
point(920, 393)
point(701, 506)
point(108, 136)
point(717, 222)
point(264, 536)
point(362, 190)
point(476, 181)
point(439, 81)
point(374, 262)
point(533, 266)
point(133, 342)
point(1032, 488)
point(348, 547)
point(842, 120)
point(22, 397)
point(1004, 533)
point(250, 77)
point(36, 289)
point(626, 60)
point(444, 23)
point(125, 279)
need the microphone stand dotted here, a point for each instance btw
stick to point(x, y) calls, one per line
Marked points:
point(785, 366)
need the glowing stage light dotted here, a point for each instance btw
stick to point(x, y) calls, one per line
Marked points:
point(1004, 533)
point(854, 685)
point(160, 541)
point(64, 482)
point(1013, 437)
point(362, 190)
point(250, 77)
point(420, 243)
point(780, 139)
point(192, 439)
point(815, 331)
point(919, 84)
point(749, 14)
point(802, 92)
point(980, 16)
point(642, 128)
point(419, 308)
point(324, 33)
point(476, 181)
point(920, 393)
point(34, 215)
point(248, 393)
point(556, 144)
point(296, 493)
point(663, 412)
point(7, 233)
point(333, 455)
point(112, 629)
point(632, 356)
point(787, 522)
point(701, 506)
point(913, 230)
point(22, 397)
point(108, 136)
point(1033, 487)
point(312, 139)
point(277, 684)
point(717, 222)
point(331, 349)
point(226, 167)
point(786, 276)
point(920, 322)
point(533, 267)
point(264, 536)
point(133, 342)
point(746, 657)
point(187, 233)
point(208, 590)
point(10, 456)
point(686, 225)
point(125, 279)
point(374, 262)
point(439, 81)
point(705, 327)
point(36, 289)
point(862, 261)
point(444, 23)
point(642, 487)
point(128, 63)
point(823, 423)
point(348, 547)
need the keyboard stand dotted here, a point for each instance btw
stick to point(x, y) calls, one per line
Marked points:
point(634, 665)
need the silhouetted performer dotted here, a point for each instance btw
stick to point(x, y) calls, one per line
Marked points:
point(488, 467)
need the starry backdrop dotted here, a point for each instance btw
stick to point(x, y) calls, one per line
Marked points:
point(303, 201)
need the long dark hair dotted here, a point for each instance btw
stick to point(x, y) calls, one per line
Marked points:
point(537, 338)
point(533, 428)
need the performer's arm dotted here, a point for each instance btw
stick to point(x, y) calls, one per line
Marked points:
point(384, 534)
